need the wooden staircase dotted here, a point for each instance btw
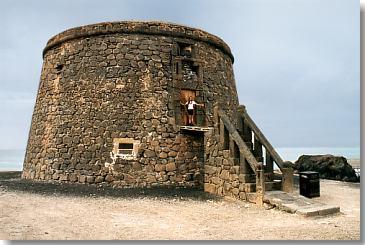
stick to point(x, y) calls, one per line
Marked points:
point(253, 153)
point(249, 155)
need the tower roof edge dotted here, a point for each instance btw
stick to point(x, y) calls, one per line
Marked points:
point(138, 27)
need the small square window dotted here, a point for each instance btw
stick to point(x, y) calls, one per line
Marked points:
point(125, 148)
point(185, 49)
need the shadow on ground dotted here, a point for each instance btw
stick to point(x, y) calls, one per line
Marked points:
point(11, 181)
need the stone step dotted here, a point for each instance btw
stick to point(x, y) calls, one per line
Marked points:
point(273, 185)
point(269, 185)
point(295, 203)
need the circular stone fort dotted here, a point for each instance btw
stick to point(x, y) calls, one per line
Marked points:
point(111, 104)
point(114, 107)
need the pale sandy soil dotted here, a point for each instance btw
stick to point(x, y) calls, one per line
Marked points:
point(49, 211)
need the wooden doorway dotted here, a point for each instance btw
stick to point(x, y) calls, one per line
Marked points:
point(186, 93)
point(184, 97)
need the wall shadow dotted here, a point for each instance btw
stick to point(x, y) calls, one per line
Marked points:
point(11, 181)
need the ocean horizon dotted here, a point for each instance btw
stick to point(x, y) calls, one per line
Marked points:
point(12, 159)
point(293, 153)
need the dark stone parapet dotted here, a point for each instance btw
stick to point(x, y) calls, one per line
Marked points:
point(138, 27)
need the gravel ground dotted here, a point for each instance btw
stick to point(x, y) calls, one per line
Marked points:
point(31, 210)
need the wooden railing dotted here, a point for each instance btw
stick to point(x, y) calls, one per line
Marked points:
point(248, 126)
point(247, 144)
point(229, 135)
point(231, 140)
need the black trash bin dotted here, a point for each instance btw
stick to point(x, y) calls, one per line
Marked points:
point(309, 184)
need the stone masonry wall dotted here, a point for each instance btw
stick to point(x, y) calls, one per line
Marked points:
point(222, 176)
point(114, 82)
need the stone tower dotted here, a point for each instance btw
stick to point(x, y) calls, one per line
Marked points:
point(109, 104)
point(111, 109)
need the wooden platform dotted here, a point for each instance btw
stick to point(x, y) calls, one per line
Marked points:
point(195, 128)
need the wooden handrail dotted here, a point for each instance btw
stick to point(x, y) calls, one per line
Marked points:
point(234, 135)
point(261, 137)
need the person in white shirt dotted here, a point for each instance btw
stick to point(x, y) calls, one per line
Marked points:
point(191, 107)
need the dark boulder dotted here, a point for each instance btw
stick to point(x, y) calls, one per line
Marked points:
point(328, 167)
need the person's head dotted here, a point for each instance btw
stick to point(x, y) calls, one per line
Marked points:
point(190, 98)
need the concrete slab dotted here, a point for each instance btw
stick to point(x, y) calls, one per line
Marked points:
point(295, 203)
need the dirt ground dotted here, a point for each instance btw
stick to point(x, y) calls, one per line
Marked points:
point(47, 211)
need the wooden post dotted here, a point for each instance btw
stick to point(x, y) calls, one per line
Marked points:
point(244, 166)
point(241, 120)
point(226, 138)
point(287, 180)
point(221, 134)
point(231, 148)
point(216, 119)
point(257, 149)
point(269, 166)
point(247, 135)
point(246, 170)
point(260, 185)
point(234, 152)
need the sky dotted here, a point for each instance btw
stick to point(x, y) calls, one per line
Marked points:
point(297, 62)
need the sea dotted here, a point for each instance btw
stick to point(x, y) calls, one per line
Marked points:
point(292, 154)
point(12, 160)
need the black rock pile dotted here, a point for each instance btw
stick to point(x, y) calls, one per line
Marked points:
point(328, 167)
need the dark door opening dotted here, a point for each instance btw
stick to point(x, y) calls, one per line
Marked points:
point(185, 94)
